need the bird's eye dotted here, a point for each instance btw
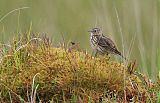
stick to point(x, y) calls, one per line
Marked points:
point(95, 30)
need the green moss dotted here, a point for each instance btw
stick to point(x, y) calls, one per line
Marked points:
point(62, 75)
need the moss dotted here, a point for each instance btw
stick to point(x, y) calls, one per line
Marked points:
point(62, 74)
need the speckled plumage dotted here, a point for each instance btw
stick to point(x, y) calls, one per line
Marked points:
point(102, 44)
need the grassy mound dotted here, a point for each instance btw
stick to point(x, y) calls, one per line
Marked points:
point(33, 70)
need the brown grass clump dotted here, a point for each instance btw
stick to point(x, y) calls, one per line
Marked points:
point(33, 70)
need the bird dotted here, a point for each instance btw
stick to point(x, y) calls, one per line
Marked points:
point(103, 44)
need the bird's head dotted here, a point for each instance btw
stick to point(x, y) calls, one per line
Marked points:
point(95, 31)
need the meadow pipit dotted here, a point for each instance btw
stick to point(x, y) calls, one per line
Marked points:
point(102, 44)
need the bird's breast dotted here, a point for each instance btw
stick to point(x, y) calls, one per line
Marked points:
point(93, 41)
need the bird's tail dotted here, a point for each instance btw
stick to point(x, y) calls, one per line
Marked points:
point(120, 54)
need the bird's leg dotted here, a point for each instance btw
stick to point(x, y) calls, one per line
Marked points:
point(96, 54)
point(108, 55)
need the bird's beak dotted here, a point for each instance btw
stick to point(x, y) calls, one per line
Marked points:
point(90, 31)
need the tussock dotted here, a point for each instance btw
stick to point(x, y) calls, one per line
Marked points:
point(63, 75)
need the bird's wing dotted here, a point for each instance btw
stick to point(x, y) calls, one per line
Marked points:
point(105, 41)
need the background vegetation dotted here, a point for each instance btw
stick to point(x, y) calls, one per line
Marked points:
point(135, 20)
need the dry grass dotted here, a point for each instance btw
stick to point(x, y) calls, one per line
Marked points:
point(33, 70)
